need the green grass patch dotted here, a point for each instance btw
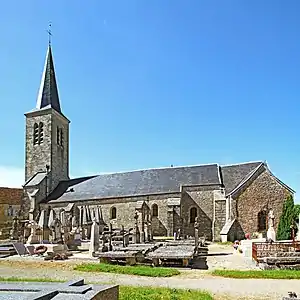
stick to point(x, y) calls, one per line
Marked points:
point(131, 270)
point(224, 243)
point(136, 293)
point(258, 274)
point(145, 293)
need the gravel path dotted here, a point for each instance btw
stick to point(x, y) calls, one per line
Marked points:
point(190, 279)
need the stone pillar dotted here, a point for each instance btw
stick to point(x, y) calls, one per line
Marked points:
point(94, 244)
point(196, 234)
point(14, 233)
point(136, 232)
point(141, 225)
point(170, 230)
point(110, 237)
point(149, 228)
point(227, 209)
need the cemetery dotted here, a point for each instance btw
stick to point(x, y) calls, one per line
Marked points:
point(63, 236)
point(59, 236)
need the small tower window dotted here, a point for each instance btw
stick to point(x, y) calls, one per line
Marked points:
point(154, 210)
point(35, 134)
point(41, 133)
point(113, 213)
point(193, 214)
point(57, 136)
point(61, 137)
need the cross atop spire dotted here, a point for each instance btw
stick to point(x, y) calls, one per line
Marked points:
point(49, 33)
point(48, 93)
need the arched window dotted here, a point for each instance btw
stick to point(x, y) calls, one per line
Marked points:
point(41, 133)
point(193, 214)
point(113, 213)
point(35, 133)
point(154, 210)
point(262, 220)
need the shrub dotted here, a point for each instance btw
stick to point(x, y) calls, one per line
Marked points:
point(287, 218)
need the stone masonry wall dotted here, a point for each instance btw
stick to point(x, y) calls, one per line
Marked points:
point(201, 198)
point(9, 197)
point(262, 192)
point(125, 208)
point(220, 218)
point(49, 152)
point(60, 153)
point(37, 156)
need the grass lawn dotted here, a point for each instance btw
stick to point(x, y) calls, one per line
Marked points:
point(145, 293)
point(259, 274)
point(224, 243)
point(132, 270)
point(136, 293)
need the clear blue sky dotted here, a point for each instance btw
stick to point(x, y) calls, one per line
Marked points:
point(153, 83)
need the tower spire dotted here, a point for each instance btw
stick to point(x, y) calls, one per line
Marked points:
point(48, 92)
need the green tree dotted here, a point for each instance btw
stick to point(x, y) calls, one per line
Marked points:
point(287, 218)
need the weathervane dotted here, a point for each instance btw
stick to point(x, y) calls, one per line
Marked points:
point(49, 33)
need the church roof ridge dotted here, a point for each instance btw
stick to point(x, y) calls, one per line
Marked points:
point(243, 163)
point(158, 168)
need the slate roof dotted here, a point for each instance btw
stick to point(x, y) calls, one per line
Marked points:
point(48, 93)
point(232, 175)
point(36, 179)
point(143, 182)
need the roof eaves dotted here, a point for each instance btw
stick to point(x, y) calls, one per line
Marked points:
point(61, 199)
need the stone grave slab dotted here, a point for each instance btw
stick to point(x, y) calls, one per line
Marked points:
point(75, 289)
point(20, 248)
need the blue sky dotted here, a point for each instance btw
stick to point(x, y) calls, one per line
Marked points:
point(154, 83)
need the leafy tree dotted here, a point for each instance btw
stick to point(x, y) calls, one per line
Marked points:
point(287, 218)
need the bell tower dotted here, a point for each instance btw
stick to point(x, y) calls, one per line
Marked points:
point(47, 136)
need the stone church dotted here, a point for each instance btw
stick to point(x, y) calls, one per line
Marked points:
point(228, 200)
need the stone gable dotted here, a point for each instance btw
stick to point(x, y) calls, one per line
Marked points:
point(262, 192)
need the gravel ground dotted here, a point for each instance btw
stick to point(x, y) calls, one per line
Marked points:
point(223, 288)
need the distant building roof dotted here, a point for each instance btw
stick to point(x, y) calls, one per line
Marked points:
point(11, 196)
point(151, 181)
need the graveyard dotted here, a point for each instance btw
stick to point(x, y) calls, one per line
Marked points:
point(93, 247)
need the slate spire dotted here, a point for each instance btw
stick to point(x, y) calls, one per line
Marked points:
point(48, 93)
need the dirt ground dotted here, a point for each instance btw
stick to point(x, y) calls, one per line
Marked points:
point(220, 256)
